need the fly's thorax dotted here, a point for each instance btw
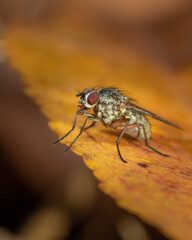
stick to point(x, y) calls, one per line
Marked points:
point(108, 112)
point(110, 95)
point(108, 107)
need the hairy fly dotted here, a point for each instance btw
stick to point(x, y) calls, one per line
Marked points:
point(117, 111)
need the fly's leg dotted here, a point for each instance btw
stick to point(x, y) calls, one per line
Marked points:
point(91, 125)
point(155, 150)
point(93, 118)
point(147, 142)
point(73, 127)
point(118, 140)
point(134, 125)
point(146, 139)
point(81, 131)
point(83, 128)
point(89, 116)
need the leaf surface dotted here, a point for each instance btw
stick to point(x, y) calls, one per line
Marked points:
point(55, 61)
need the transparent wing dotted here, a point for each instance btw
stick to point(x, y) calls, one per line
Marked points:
point(142, 110)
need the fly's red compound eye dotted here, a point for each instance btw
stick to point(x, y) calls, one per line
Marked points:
point(92, 98)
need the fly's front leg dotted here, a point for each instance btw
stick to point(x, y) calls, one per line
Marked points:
point(83, 128)
point(78, 112)
point(88, 116)
point(73, 127)
point(81, 131)
point(93, 118)
point(90, 126)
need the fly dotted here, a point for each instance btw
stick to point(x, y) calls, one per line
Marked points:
point(117, 111)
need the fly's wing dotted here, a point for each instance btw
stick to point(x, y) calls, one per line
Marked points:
point(139, 109)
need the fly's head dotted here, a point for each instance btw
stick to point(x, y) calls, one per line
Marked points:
point(88, 98)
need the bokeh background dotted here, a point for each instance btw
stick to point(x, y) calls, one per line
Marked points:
point(45, 194)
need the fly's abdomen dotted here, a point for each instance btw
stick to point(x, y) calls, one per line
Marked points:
point(138, 132)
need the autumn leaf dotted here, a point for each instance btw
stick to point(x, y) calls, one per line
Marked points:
point(54, 62)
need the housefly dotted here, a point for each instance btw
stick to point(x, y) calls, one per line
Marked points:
point(117, 111)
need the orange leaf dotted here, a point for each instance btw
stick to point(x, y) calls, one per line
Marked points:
point(54, 62)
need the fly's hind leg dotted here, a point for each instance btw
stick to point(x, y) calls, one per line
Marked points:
point(134, 125)
point(146, 139)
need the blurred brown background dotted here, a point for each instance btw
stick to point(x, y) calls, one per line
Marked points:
point(44, 193)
